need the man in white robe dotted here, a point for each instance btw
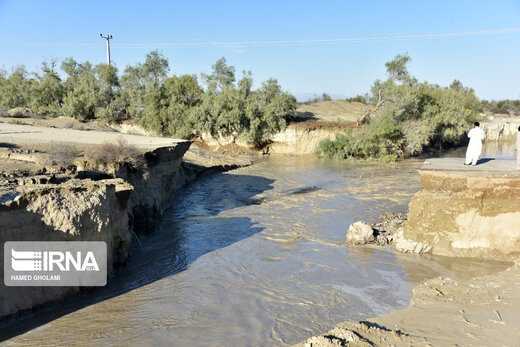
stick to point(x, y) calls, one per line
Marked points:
point(518, 150)
point(476, 135)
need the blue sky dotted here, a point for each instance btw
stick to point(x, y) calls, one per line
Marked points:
point(186, 32)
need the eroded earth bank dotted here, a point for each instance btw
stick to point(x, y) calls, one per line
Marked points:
point(108, 198)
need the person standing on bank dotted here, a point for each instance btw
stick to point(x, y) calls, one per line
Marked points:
point(476, 135)
point(518, 150)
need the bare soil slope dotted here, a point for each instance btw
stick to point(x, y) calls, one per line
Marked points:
point(335, 111)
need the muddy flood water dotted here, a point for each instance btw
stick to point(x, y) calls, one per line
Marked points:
point(254, 257)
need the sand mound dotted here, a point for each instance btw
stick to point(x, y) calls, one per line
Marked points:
point(335, 111)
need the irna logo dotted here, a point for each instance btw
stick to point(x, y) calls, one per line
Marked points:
point(55, 263)
point(53, 260)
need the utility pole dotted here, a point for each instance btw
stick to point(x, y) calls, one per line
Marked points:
point(108, 38)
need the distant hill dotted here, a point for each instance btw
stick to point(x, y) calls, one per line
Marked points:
point(336, 111)
point(302, 97)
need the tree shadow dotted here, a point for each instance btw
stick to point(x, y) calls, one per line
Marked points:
point(196, 223)
point(299, 117)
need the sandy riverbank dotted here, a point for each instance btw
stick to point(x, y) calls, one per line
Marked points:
point(443, 312)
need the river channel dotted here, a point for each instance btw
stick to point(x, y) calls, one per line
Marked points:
point(254, 257)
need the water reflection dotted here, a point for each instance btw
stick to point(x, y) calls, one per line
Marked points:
point(490, 150)
point(499, 150)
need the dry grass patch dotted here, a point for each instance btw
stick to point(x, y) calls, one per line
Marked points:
point(120, 152)
point(61, 155)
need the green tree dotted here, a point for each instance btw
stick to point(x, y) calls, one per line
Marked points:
point(267, 111)
point(253, 116)
point(184, 90)
point(171, 111)
point(16, 89)
point(410, 118)
point(222, 114)
point(89, 91)
point(245, 85)
point(169, 106)
point(141, 84)
point(111, 106)
point(221, 76)
point(396, 68)
point(48, 91)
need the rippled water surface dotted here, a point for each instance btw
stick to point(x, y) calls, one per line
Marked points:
point(255, 257)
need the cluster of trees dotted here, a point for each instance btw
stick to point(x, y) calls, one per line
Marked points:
point(167, 105)
point(358, 98)
point(315, 99)
point(406, 118)
point(506, 106)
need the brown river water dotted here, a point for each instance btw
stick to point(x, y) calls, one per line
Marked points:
point(253, 257)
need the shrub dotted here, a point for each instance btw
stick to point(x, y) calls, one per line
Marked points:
point(358, 98)
point(120, 152)
point(61, 155)
point(507, 107)
point(317, 98)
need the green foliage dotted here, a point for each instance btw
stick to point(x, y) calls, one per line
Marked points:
point(170, 106)
point(358, 98)
point(245, 85)
point(266, 112)
point(82, 90)
point(47, 95)
point(141, 84)
point(502, 106)
point(317, 98)
point(178, 106)
point(241, 113)
point(412, 117)
point(222, 76)
point(396, 68)
point(15, 90)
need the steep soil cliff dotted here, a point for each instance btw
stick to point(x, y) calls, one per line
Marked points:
point(466, 214)
point(154, 182)
point(297, 139)
point(97, 202)
point(77, 210)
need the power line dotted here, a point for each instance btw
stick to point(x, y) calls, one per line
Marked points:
point(275, 43)
point(387, 37)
